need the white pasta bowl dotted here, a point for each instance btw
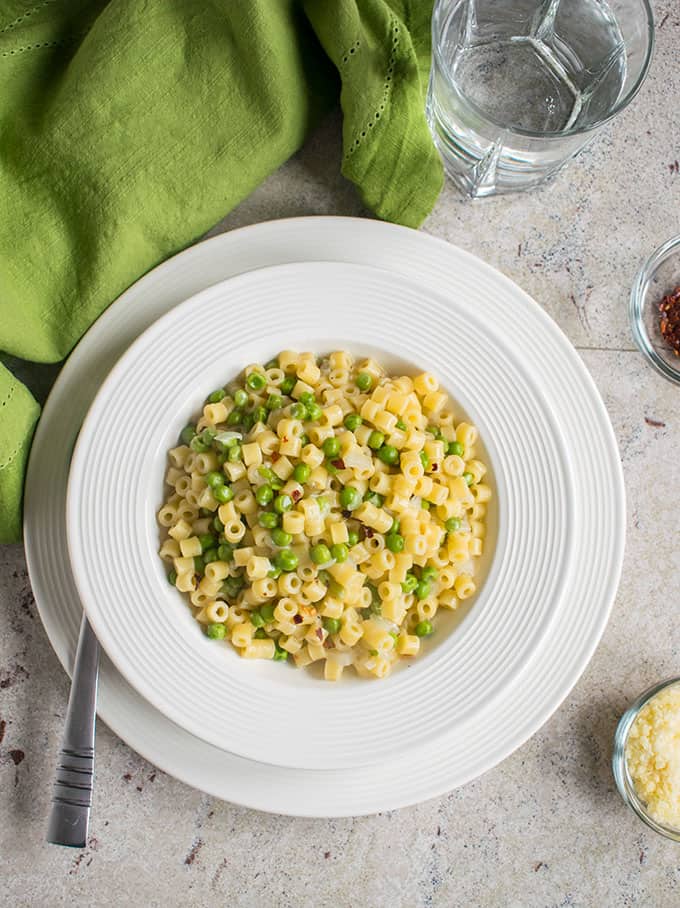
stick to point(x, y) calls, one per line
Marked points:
point(269, 711)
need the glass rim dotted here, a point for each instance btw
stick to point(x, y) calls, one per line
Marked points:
point(620, 105)
point(636, 304)
point(624, 783)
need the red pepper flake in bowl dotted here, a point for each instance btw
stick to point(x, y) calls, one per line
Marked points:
point(669, 321)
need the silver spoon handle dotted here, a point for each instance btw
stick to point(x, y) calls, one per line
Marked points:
point(72, 798)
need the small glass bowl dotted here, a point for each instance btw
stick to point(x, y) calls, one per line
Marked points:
point(620, 766)
point(658, 276)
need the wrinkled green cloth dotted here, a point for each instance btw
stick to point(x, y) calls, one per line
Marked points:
point(129, 127)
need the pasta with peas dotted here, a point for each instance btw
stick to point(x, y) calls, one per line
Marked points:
point(322, 511)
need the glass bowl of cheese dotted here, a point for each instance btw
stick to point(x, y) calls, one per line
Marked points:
point(646, 758)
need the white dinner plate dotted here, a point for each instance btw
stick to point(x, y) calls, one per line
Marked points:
point(502, 725)
point(264, 710)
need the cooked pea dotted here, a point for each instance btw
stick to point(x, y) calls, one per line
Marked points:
point(268, 520)
point(374, 498)
point(280, 537)
point(313, 412)
point(207, 541)
point(217, 396)
point(225, 552)
point(234, 453)
point(298, 411)
point(274, 402)
point(199, 565)
point(375, 439)
point(429, 573)
point(172, 577)
point(331, 446)
point(332, 625)
point(260, 634)
point(364, 381)
point(259, 414)
point(196, 444)
point(283, 503)
point(214, 479)
point(401, 425)
point(394, 542)
point(187, 433)
point(352, 537)
point(452, 524)
point(307, 398)
point(210, 555)
point(339, 551)
point(469, 478)
point(215, 631)
point(280, 655)
point(350, 498)
point(223, 494)
point(267, 612)
point(423, 589)
point(256, 381)
point(320, 553)
point(286, 559)
point(235, 417)
point(302, 472)
point(424, 459)
point(410, 583)
point(256, 619)
point(352, 421)
point(264, 494)
point(423, 629)
point(455, 447)
point(241, 398)
point(287, 384)
point(388, 454)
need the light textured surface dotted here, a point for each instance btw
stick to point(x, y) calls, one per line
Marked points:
point(546, 828)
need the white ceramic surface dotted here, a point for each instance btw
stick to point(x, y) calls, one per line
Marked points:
point(263, 710)
point(497, 729)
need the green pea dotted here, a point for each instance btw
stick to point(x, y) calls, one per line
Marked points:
point(429, 573)
point(307, 398)
point(424, 459)
point(298, 411)
point(287, 384)
point(217, 396)
point(275, 573)
point(455, 447)
point(223, 494)
point(272, 364)
point(410, 583)
point(214, 479)
point(256, 619)
point(330, 467)
point(199, 564)
point(469, 478)
point(186, 435)
point(452, 525)
point(394, 542)
point(172, 577)
point(434, 430)
point(286, 559)
point(256, 381)
point(225, 552)
point(374, 498)
point(332, 625)
point(247, 421)
point(423, 629)
point(423, 589)
point(207, 541)
point(375, 439)
point(302, 472)
point(395, 525)
point(264, 495)
point(350, 498)
point(283, 503)
point(401, 425)
point(280, 655)
point(259, 414)
point(304, 440)
point(373, 652)
point(267, 473)
point(425, 505)
point(234, 454)
point(231, 587)
point(210, 555)
point(268, 520)
point(281, 538)
point(196, 444)
point(331, 446)
point(336, 589)
point(388, 454)
point(241, 398)
point(313, 412)
point(339, 551)
point(267, 612)
point(352, 421)
point(352, 537)
point(274, 402)
point(208, 436)
point(204, 512)
point(364, 381)
point(215, 631)
point(320, 553)
point(235, 417)
point(260, 634)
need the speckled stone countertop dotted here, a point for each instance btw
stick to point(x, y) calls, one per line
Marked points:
point(546, 827)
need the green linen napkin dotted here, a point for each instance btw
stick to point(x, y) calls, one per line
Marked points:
point(129, 127)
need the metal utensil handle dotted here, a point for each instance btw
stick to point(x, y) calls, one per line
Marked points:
point(72, 798)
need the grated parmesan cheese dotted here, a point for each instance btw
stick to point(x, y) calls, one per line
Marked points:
point(653, 756)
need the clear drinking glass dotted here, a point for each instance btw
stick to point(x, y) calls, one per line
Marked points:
point(518, 87)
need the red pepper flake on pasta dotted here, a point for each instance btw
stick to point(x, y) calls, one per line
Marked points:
point(339, 464)
point(275, 456)
point(297, 619)
point(296, 494)
point(669, 320)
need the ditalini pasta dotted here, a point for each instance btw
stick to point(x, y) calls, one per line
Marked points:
point(322, 510)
